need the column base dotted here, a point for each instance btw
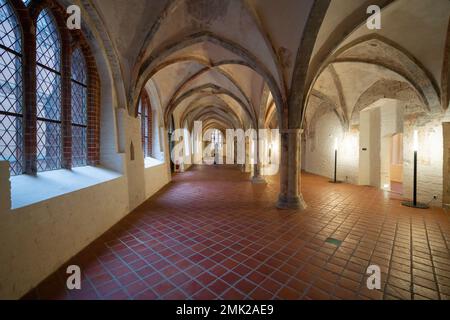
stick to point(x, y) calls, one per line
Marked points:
point(259, 180)
point(295, 203)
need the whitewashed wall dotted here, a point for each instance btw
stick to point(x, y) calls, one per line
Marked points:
point(319, 155)
point(319, 151)
point(430, 160)
point(35, 240)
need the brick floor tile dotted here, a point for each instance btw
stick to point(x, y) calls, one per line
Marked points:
point(233, 294)
point(197, 239)
point(428, 293)
point(261, 294)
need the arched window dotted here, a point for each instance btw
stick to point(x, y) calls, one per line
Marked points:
point(79, 109)
point(57, 123)
point(145, 115)
point(217, 138)
point(48, 86)
point(11, 102)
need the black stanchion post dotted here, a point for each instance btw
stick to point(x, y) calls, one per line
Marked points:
point(335, 180)
point(415, 203)
point(335, 165)
point(415, 179)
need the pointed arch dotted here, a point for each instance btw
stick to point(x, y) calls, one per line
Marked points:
point(11, 89)
point(48, 134)
point(153, 64)
point(48, 88)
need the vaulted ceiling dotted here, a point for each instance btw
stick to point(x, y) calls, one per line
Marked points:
point(407, 60)
point(234, 62)
point(209, 53)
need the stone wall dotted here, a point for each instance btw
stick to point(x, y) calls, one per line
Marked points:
point(446, 167)
point(387, 119)
point(319, 151)
point(430, 159)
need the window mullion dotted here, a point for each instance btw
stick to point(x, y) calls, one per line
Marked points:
point(79, 102)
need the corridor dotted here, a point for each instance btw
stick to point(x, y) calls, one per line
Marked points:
point(211, 234)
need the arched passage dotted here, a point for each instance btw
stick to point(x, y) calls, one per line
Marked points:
point(113, 139)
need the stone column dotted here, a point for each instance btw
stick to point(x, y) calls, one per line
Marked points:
point(257, 178)
point(290, 196)
point(248, 165)
point(235, 155)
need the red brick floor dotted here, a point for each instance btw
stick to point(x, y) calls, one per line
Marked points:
point(211, 234)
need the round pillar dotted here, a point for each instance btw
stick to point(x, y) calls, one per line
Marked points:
point(290, 195)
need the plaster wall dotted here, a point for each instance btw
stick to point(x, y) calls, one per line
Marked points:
point(158, 144)
point(430, 159)
point(320, 154)
point(319, 151)
point(446, 168)
point(377, 125)
point(135, 162)
point(391, 117)
point(364, 142)
point(156, 177)
point(35, 240)
point(348, 160)
point(374, 148)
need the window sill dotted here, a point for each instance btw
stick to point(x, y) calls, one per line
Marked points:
point(27, 190)
point(151, 162)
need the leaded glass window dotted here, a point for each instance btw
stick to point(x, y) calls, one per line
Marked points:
point(11, 101)
point(79, 110)
point(143, 113)
point(217, 138)
point(48, 82)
